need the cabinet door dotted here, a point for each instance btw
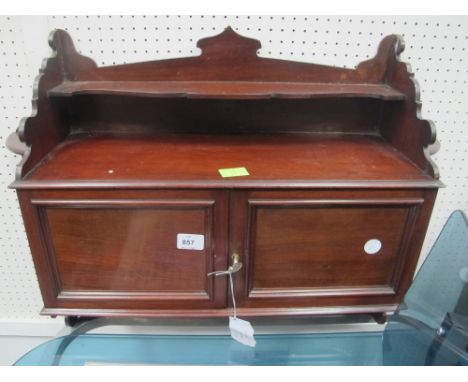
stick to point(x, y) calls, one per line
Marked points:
point(130, 250)
point(316, 249)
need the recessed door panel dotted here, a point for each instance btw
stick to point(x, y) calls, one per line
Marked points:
point(324, 246)
point(315, 250)
point(129, 249)
point(136, 252)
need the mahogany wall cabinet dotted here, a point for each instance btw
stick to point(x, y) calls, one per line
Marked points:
point(126, 211)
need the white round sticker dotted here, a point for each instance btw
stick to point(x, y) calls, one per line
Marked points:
point(372, 246)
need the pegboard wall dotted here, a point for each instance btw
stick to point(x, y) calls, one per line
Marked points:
point(435, 48)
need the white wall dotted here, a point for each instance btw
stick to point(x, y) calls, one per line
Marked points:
point(435, 47)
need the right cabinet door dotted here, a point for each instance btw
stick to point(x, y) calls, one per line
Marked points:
point(326, 252)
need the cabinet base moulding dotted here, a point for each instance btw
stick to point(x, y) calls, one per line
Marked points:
point(266, 312)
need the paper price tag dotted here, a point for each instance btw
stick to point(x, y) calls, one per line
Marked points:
point(190, 241)
point(242, 331)
point(232, 172)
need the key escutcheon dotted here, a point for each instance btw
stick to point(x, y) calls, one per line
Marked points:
point(233, 268)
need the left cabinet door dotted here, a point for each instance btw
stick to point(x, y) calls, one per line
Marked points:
point(128, 252)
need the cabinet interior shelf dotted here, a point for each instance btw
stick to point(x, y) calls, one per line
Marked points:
point(227, 89)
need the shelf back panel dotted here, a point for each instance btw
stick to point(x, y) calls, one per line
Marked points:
point(109, 114)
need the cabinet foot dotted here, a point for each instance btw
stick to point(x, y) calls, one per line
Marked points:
point(380, 318)
point(73, 321)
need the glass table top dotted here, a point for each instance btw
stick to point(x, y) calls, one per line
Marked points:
point(299, 349)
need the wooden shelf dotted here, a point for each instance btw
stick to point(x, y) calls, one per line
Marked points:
point(112, 177)
point(227, 89)
point(185, 159)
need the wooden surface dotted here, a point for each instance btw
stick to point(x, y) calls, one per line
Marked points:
point(302, 251)
point(121, 159)
point(129, 249)
point(229, 60)
point(305, 248)
point(120, 249)
point(324, 245)
point(227, 89)
point(198, 157)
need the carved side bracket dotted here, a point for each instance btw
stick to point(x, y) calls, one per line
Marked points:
point(71, 62)
point(380, 68)
point(47, 126)
point(403, 125)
